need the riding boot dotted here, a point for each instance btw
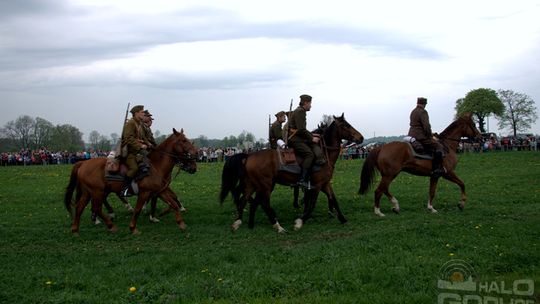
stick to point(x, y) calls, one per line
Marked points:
point(304, 179)
point(126, 187)
point(438, 169)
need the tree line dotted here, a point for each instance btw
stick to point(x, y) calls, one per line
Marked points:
point(28, 133)
point(514, 111)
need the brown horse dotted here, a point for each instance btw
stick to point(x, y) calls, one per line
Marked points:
point(90, 183)
point(395, 157)
point(258, 173)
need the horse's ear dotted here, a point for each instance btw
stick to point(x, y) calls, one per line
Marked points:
point(182, 130)
point(342, 115)
point(174, 131)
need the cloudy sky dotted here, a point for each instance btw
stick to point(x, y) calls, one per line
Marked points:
point(216, 68)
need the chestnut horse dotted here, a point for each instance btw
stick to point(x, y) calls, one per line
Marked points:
point(91, 184)
point(258, 173)
point(395, 157)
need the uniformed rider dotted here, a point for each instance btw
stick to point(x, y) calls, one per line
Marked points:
point(276, 131)
point(304, 143)
point(133, 142)
point(420, 129)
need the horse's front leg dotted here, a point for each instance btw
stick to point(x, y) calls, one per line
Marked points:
point(451, 176)
point(141, 200)
point(432, 189)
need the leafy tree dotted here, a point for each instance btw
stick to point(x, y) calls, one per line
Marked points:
point(519, 112)
point(93, 138)
point(66, 137)
point(42, 133)
point(114, 139)
point(481, 102)
point(20, 131)
point(104, 144)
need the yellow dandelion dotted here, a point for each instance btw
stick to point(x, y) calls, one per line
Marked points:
point(451, 254)
point(132, 289)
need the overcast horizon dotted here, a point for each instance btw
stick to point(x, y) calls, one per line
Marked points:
point(218, 68)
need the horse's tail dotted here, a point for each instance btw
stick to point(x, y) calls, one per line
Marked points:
point(71, 187)
point(231, 177)
point(368, 171)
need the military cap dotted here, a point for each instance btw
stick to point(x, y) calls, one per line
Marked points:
point(421, 100)
point(305, 97)
point(148, 114)
point(136, 109)
point(280, 113)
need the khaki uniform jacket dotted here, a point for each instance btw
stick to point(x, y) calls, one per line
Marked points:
point(298, 123)
point(276, 132)
point(148, 136)
point(419, 125)
point(132, 136)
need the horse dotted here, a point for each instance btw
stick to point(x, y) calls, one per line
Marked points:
point(394, 157)
point(90, 182)
point(258, 172)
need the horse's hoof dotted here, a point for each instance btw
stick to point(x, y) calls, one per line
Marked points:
point(343, 220)
point(331, 214)
point(75, 233)
point(432, 210)
point(135, 231)
point(461, 207)
point(97, 222)
point(112, 216)
point(396, 211)
point(182, 226)
point(154, 219)
point(298, 223)
point(182, 209)
point(236, 225)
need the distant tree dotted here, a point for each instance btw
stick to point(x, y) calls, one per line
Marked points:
point(20, 131)
point(66, 137)
point(327, 119)
point(93, 139)
point(481, 102)
point(104, 144)
point(519, 112)
point(114, 139)
point(201, 141)
point(42, 132)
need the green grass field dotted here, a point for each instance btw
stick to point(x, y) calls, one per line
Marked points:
point(396, 259)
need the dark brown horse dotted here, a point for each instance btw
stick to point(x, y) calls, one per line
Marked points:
point(395, 157)
point(258, 173)
point(90, 183)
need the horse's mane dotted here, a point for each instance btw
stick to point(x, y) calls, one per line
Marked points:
point(451, 127)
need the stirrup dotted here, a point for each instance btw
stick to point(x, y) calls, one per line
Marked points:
point(304, 184)
point(439, 172)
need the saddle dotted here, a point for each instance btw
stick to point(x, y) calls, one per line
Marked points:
point(290, 162)
point(417, 149)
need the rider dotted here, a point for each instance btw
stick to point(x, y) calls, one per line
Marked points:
point(420, 129)
point(276, 132)
point(148, 135)
point(305, 143)
point(132, 139)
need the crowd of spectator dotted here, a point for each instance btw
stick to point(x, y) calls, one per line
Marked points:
point(43, 156)
point(210, 155)
point(509, 143)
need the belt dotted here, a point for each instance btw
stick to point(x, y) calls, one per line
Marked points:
point(293, 132)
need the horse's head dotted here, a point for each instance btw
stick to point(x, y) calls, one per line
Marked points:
point(469, 127)
point(184, 151)
point(346, 131)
